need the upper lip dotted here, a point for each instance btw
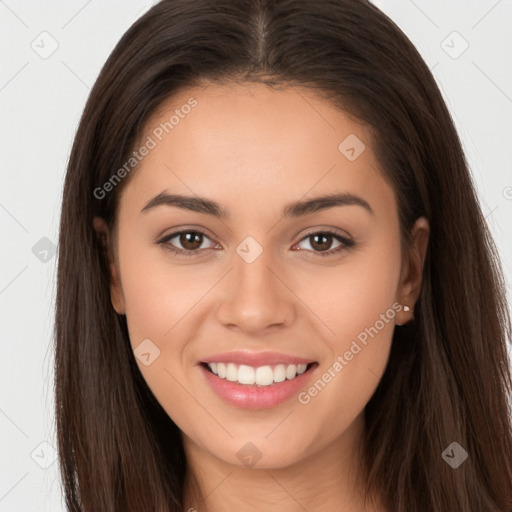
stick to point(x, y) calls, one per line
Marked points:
point(256, 359)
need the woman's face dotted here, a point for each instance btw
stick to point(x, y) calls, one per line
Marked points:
point(262, 290)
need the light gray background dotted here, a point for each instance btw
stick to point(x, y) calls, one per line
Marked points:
point(41, 100)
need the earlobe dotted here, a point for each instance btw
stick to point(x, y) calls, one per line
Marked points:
point(411, 279)
point(116, 292)
point(406, 313)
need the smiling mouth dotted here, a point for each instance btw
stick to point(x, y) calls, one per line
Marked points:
point(261, 376)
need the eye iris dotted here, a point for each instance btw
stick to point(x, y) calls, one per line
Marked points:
point(321, 246)
point(188, 242)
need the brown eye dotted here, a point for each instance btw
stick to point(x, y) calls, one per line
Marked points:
point(186, 242)
point(190, 240)
point(322, 242)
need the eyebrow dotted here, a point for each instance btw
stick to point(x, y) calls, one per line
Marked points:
point(295, 209)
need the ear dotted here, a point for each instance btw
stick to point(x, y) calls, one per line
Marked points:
point(411, 277)
point(116, 291)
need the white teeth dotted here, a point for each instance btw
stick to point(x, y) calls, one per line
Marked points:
point(261, 376)
point(245, 374)
point(221, 370)
point(231, 372)
point(301, 368)
point(264, 376)
point(291, 371)
point(280, 373)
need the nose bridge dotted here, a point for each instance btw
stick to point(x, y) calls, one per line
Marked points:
point(255, 276)
point(255, 280)
point(257, 298)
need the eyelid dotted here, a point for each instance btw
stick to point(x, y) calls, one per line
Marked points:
point(327, 230)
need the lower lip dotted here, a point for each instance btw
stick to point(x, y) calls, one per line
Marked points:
point(256, 397)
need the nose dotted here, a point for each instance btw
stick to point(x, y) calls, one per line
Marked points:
point(258, 298)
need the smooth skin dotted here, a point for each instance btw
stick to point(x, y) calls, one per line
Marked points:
point(253, 150)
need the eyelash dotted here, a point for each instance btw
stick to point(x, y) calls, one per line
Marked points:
point(346, 242)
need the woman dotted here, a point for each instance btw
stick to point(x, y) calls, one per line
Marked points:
point(276, 288)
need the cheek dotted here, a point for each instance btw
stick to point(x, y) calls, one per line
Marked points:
point(356, 303)
point(351, 297)
point(159, 300)
point(158, 295)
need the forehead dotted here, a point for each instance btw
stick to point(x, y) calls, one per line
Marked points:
point(259, 143)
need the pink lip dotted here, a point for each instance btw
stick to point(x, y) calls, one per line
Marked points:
point(256, 359)
point(256, 397)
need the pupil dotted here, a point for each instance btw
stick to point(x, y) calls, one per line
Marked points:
point(321, 245)
point(187, 240)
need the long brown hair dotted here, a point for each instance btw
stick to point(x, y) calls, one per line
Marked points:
point(447, 379)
